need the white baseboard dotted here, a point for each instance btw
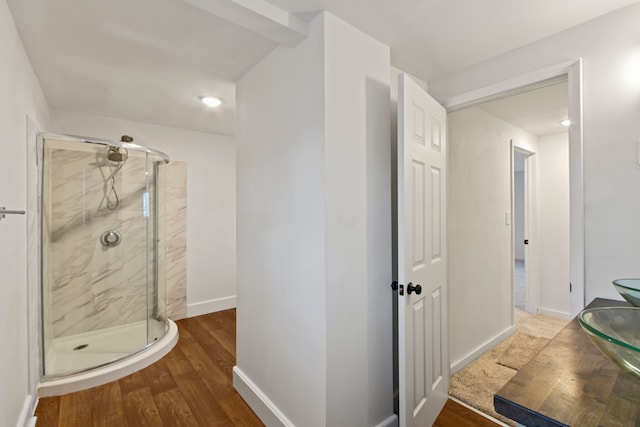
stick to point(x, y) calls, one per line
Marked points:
point(459, 364)
point(264, 408)
point(554, 313)
point(211, 306)
point(26, 418)
point(494, 420)
point(392, 421)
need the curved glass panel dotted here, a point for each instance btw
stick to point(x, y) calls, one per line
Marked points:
point(629, 289)
point(615, 331)
point(103, 294)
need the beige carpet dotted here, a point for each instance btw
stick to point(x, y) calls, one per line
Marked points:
point(476, 384)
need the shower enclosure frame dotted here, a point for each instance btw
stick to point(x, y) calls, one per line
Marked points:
point(161, 158)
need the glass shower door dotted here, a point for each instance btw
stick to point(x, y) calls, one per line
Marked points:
point(99, 245)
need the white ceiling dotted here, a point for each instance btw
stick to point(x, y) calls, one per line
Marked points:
point(144, 60)
point(149, 60)
point(430, 38)
point(538, 111)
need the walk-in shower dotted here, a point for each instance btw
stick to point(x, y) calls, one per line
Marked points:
point(103, 254)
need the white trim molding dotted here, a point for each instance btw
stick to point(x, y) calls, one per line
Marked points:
point(554, 313)
point(460, 364)
point(482, 414)
point(259, 16)
point(26, 418)
point(264, 408)
point(503, 88)
point(211, 306)
point(392, 421)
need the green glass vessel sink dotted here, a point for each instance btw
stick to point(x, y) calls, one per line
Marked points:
point(616, 331)
point(629, 289)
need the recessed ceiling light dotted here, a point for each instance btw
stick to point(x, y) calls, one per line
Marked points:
point(566, 123)
point(211, 101)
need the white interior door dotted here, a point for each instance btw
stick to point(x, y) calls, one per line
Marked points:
point(422, 263)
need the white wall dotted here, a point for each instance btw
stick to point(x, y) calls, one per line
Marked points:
point(358, 227)
point(480, 259)
point(211, 189)
point(553, 223)
point(610, 51)
point(314, 307)
point(20, 95)
point(281, 317)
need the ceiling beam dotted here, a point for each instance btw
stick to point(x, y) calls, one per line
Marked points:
point(259, 16)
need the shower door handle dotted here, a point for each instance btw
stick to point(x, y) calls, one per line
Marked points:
point(4, 212)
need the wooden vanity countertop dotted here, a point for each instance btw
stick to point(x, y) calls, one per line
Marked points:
point(571, 383)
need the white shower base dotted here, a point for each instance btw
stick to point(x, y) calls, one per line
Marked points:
point(103, 347)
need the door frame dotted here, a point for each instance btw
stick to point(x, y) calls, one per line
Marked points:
point(531, 253)
point(573, 72)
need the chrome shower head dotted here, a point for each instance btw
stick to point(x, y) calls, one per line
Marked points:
point(114, 155)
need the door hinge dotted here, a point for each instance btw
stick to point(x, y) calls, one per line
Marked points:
point(570, 287)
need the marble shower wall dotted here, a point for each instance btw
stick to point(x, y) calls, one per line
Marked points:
point(176, 240)
point(88, 286)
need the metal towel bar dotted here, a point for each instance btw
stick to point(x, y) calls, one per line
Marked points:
point(4, 212)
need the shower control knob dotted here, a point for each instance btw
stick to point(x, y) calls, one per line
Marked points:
point(110, 238)
point(414, 288)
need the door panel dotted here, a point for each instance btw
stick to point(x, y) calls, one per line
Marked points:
point(436, 353)
point(418, 235)
point(422, 317)
point(419, 339)
point(436, 218)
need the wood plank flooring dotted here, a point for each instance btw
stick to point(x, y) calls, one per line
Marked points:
point(191, 386)
point(455, 415)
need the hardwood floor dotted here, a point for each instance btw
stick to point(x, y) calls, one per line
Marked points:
point(455, 415)
point(191, 386)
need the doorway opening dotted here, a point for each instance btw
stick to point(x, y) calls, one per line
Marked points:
point(571, 74)
point(520, 240)
point(504, 187)
point(509, 184)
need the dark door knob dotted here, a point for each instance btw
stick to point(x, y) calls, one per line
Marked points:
point(414, 288)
